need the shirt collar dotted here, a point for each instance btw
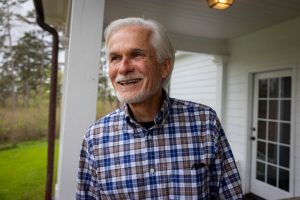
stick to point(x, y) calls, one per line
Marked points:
point(160, 117)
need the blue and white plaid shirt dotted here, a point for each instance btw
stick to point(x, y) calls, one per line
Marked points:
point(185, 155)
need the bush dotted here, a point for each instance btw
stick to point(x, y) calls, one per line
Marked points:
point(25, 123)
point(105, 107)
point(32, 123)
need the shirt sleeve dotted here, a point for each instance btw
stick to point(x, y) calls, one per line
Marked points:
point(87, 176)
point(228, 186)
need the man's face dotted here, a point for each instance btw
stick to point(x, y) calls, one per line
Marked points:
point(133, 68)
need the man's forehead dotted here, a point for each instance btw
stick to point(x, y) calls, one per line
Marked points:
point(129, 50)
point(129, 41)
point(130, 30)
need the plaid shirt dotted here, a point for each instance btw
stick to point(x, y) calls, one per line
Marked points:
point(185, 155)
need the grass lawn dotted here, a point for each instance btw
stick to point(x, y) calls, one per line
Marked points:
point(23, 171)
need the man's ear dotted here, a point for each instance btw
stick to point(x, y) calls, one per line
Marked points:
point(166, 68)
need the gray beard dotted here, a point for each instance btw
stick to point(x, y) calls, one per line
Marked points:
point(138, 98)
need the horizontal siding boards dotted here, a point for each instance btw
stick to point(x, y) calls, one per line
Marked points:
point(205, 74)
point(273, 48)
point(235, 116)
point(194, 79)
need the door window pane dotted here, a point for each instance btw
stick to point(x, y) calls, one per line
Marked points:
point(261, 150)
point(285, 110)
point(273, 131)
point(262, 109)
point(284, 180)
point(284, 156)
point(260, 171)
point(273, 109)
point(272, 153)
point(273, 87)
point(263, 88)
point(285, 87)
point(285, 133)
point(261, 131)
point(271, 175)
point(272, 136)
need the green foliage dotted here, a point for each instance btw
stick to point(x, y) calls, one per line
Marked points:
point(24, 75)
point(23, 171)
point(31, 123)
point(25, 60)
point(31, 60)
point(25, 78)
point(105, 107)
point(26, 123)
point(32, 64)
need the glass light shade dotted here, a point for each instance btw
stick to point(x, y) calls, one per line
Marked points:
point(220, 4)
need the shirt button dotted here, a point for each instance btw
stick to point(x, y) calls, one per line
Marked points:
point(149, 137)
point(152, 170)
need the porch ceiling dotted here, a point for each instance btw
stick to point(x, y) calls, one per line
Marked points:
point(191, 17)
point(195, 18)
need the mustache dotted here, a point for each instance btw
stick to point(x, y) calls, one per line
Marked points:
point(120, 78)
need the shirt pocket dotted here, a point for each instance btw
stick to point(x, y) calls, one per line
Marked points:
point(191, 183)
point(112, 184)
point(121, 183)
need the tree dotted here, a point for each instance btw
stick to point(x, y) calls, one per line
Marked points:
point(32, 62)
point(24, 65)
point(7, 72)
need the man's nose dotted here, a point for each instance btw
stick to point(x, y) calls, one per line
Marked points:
point(125, 66)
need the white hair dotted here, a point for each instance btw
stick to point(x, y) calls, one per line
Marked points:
point(159, 39)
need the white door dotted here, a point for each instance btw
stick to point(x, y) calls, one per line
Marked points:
point(271, 171)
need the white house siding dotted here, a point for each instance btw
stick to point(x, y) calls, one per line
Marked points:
point(273, 48)
point(194, 78)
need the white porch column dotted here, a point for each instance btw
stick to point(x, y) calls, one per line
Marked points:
point(221, 62)
point(79, 90)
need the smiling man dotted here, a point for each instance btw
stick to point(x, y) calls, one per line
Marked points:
point(135, 72)
point(154, 146)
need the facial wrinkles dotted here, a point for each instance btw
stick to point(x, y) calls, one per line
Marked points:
point(139, 69)
point(151, 86)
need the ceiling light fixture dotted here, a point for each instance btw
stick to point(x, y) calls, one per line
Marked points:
point(220, 4)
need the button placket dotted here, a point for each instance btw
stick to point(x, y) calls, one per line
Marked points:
point(151, 153)
point(149, 137)
point(152, 171)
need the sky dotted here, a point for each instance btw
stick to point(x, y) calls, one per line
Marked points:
point(19, 28)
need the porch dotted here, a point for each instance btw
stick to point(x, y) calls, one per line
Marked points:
point(250, 38)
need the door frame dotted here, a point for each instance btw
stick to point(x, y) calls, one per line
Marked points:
point(251, 97)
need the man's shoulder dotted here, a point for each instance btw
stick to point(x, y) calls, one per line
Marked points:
point(107, 122)
point(190, 106)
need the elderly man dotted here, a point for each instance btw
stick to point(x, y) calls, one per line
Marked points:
point(154, 146)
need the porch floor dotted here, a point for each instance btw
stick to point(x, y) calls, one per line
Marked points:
point(251, 196)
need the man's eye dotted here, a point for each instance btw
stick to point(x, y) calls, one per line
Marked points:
point(113, 58)
point(137, 54)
